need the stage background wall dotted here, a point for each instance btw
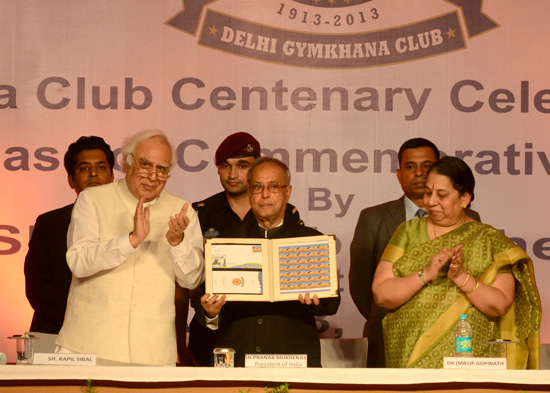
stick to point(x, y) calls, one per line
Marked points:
point(59, 58)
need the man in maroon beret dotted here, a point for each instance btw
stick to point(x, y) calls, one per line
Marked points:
point(238, 145)
point(223, 211)
point(233, 158)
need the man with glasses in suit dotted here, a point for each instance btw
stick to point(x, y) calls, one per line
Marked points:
point(286, 327)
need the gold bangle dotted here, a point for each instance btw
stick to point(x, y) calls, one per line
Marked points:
point(464, 283)
point(421, 275)
point(472, 291)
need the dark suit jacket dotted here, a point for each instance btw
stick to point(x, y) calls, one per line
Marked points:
point(216, 216)
point(374, 230)
point(47, 276)
point(286, 327)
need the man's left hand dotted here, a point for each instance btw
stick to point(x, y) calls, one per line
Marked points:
point(307, 300)
point(177, 225)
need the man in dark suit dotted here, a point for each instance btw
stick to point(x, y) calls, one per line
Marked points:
point(218, 213)
point(286, 327)
point(374, 230)
point(89, 162)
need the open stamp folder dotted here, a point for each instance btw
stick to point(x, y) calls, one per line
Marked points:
point(271, 269)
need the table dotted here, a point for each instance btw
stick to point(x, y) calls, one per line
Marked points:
point(68, 379)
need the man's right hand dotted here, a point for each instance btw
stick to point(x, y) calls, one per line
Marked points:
point(141, 224)
point(212, 304)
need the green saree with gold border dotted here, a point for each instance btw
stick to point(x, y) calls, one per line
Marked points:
point(421, 332)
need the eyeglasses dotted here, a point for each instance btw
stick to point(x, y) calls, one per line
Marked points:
point(273, 188)
point(145, 168)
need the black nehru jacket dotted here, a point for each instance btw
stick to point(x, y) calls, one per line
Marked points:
point(286, 327)
point(216, 217)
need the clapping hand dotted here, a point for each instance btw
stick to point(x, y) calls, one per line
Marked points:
point(456, 267)
point(141, 224)
point(453, 255)
point(177, 225)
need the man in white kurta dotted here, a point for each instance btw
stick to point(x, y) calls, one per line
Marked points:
point(128, 243)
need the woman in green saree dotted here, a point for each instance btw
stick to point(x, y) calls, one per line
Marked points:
point(438, 267)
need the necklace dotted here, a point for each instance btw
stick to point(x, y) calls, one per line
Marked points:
point(462, 221)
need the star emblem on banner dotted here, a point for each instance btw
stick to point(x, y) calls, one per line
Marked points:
point(213, 30)
point(450, 33)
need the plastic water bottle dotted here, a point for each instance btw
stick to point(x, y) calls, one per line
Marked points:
point(3, 359)
point(463, 337)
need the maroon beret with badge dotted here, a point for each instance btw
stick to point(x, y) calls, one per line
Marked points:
point(240, 144)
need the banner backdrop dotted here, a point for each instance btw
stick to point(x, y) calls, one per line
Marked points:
point(332, 87)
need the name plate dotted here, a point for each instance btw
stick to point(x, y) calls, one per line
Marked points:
point(275, 361)
point(475, 363)
point(65, 359)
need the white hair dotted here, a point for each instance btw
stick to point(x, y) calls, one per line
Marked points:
point(129, 145)
point(268, 160)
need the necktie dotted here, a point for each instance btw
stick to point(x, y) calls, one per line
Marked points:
point(421, 213)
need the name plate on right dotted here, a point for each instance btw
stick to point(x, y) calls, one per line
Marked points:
point(475, 363)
